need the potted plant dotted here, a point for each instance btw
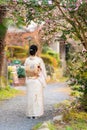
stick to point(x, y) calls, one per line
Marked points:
point(21, 75)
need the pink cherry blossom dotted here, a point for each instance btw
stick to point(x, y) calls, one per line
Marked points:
point(14, 0)
point(25, 1)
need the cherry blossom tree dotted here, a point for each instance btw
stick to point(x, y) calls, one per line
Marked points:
point(75, 13)
point(68, 16)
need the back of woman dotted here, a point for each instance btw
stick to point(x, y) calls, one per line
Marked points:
point(33, 67)
point(35, 81)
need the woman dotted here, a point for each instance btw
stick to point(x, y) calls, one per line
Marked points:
point(35, 81)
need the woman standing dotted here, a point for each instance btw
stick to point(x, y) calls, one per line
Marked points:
point(35, 82)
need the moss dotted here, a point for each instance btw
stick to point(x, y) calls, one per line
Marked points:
point(37, 126)
point(73, 118)
point(8, 93)
point(51, 126)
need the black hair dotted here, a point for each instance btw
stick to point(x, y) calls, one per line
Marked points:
point(33, 49)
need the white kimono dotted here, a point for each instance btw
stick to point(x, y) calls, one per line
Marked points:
point(35, 103)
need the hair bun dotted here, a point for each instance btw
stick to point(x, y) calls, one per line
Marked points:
point(33, 49)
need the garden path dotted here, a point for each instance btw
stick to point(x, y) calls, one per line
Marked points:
point(12, 112)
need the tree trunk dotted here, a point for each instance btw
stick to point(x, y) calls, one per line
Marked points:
point(2, 42)
point(4, 81)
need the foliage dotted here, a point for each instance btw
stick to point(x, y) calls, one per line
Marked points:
point(8, 54)
point(16, 62)
point(76, 119)
point(45, 48)
point(71, 10)
point(83, 100)
point(58, 15)
point(8, 93)
point(3, 82)
point(21, 72)
point(51, 63)
point(55, 55)
point(48, 51)
point(2, 30)
point(17, 51)
point(37, 126)
point(49, 126)
point(73, 118)
point(77, 72)
point(76, 91)
point(68, 128)
point(49, 60)
point(77, 125)
point(68, 16)
point(10, 75)
point(20, 55)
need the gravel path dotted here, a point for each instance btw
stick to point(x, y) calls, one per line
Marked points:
point(12, 112)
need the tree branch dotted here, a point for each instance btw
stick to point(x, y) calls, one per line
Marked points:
point(82, 30)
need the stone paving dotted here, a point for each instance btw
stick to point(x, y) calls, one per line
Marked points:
point(12, 112)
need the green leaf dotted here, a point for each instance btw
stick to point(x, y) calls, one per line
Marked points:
point(2, 30)
point(3, 2)
point(7, 22)
point(69, 128)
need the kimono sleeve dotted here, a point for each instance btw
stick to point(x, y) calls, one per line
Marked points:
point(26, 65)
point(43, 69)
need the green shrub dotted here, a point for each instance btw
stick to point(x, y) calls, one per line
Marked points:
point(8, 93)
point(76, 119)
point(21, 72)
point(54, 54)
point(18, 51)
point(45, 48)
point(49, 60)
point(8, 53)
point(37, 126)
point(77, 72)
point(51, 126)
point(83, 100)
point(73, 118)
point(10, 76)
point(20, 55)
point(48, 51)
